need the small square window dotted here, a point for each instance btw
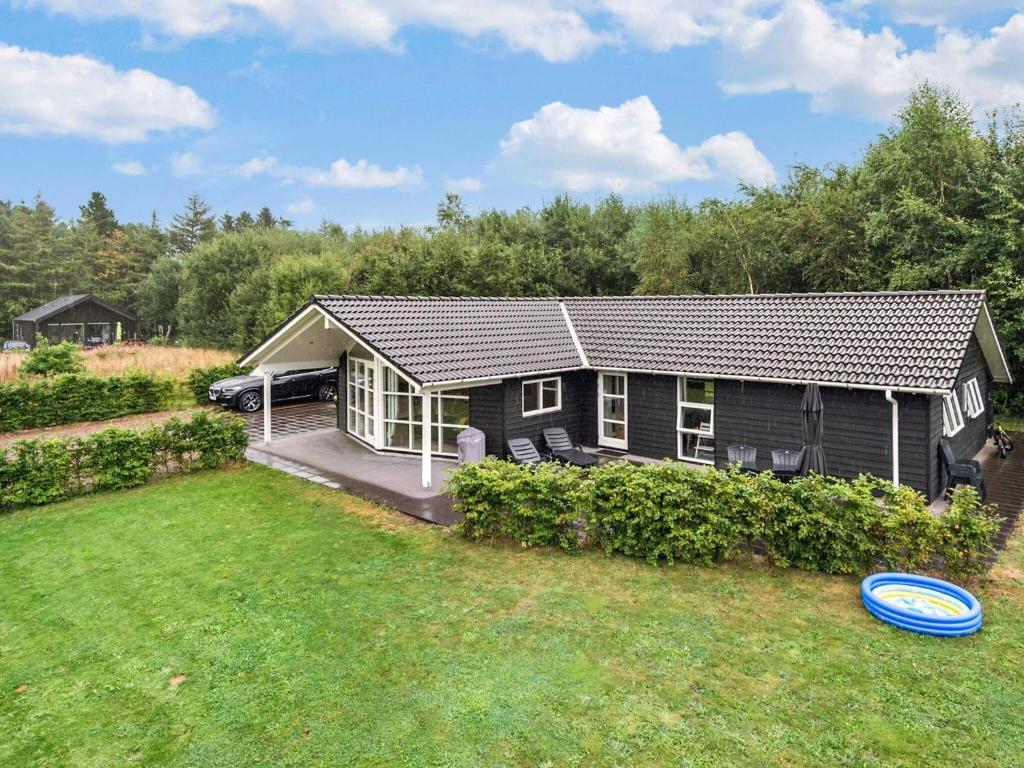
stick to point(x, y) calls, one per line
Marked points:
point(542, 396)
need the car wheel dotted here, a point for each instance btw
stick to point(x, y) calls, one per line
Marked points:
point(250, 401)
point(326, 391)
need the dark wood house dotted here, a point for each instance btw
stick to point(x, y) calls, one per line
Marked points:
point(669, 377)
point(80, 318)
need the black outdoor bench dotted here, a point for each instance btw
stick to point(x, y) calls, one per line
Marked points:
point(524, 451)
point(563, 449)
point(786, 463)
point(744, 455)
point(962, 471)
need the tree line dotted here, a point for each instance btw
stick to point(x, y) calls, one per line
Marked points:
point(937, 201)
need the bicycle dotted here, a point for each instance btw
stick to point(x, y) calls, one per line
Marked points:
point(1001, 441)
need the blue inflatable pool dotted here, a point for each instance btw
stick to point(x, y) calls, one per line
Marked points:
point(921, 604)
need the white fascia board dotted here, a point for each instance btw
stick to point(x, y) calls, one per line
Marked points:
point(985, 332)
point(572, 333)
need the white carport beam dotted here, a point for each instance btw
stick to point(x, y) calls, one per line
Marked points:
point(425, 473)
point(267, 379)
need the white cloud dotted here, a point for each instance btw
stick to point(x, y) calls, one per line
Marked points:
point(340, 173)
point(130, 168)
point(299, 207)
point(933, 12)
point(805, 48)
point(464, 184)
point(186, 164)
point(551, 28)
point(80, 96)
point(621, 148)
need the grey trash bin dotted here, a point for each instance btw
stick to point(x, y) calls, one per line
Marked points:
point(472, 446)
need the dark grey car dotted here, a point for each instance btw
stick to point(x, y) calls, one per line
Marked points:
point(246, 392)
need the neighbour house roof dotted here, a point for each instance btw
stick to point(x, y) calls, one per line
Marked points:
point(912, 341)
point(61, 303)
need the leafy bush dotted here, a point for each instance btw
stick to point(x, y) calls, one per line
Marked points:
point(70, 398)
point(36, 472)
point(540, 506)
point(51, 359)
point(200, 379)
point(667, 512)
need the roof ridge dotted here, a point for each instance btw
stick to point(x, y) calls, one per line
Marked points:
point(649, 297)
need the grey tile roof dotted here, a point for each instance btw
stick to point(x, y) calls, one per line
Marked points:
point(913, 340)
point(51, 307)
point(445, 339)
point(900, 340)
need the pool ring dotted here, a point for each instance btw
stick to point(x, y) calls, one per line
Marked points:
point(921, 604)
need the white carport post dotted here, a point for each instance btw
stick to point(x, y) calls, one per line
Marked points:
point(425, 473)
point(267, 378)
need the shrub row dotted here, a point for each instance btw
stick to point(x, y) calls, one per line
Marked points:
point(48, 401)
point(44, 471)
point(200, 379)
point(667, 512)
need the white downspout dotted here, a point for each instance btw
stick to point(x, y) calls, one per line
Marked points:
point(425, 473)
point(267, 378)
point(895, 437)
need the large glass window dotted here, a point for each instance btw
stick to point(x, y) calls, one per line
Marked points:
point(542, 396)
point(403, 413)
point(360, 398)
point(450, 416)
point(696, 420)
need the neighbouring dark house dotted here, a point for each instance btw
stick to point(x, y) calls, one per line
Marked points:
point(661, 377)
point(80, 318)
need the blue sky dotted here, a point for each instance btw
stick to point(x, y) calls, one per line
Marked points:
point(364, 113)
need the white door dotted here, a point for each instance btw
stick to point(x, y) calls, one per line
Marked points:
point(611, 410)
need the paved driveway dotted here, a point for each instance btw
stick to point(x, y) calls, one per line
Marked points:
point(292, 419)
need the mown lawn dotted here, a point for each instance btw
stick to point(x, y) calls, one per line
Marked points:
point(314, 629)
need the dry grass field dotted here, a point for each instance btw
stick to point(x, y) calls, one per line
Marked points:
point(169, 362)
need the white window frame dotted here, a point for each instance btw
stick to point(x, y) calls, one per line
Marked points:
point(952, 416)
point(681, 402)
point(974, 406)
point(612, 442)
point(364, 394)
point(540, 395)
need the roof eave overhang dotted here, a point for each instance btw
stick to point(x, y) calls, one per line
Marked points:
point(314, 306)
point(985, 333)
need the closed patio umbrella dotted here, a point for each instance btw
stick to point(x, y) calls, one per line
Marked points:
point(814, 454)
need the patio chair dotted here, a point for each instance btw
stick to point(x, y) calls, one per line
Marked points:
point(743, 455)
point(962, 472)
point(524, 451)
point(563, 449)
point(786, 463)
point(705, 443)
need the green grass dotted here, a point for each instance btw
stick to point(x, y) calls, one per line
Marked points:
point(315, 629)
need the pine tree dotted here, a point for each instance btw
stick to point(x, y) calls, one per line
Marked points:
point(196, 225)
point(97, 213)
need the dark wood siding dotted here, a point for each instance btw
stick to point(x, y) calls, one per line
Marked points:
point(857, 428)
point(487, 413)
point(651, 411)
point(588, 407)
point(24, 330)
point(90, 312)
point(576, 388)
point(969, 440)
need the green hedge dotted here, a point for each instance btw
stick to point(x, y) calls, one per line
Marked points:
point(48, 401)
point(667, 512)
point(36, 472)
point(200, 379)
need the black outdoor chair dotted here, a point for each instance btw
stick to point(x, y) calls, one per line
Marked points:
point(786, 464)
point(563, 449)
point(962, 472)
point(524, 451)
point(743, 455)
